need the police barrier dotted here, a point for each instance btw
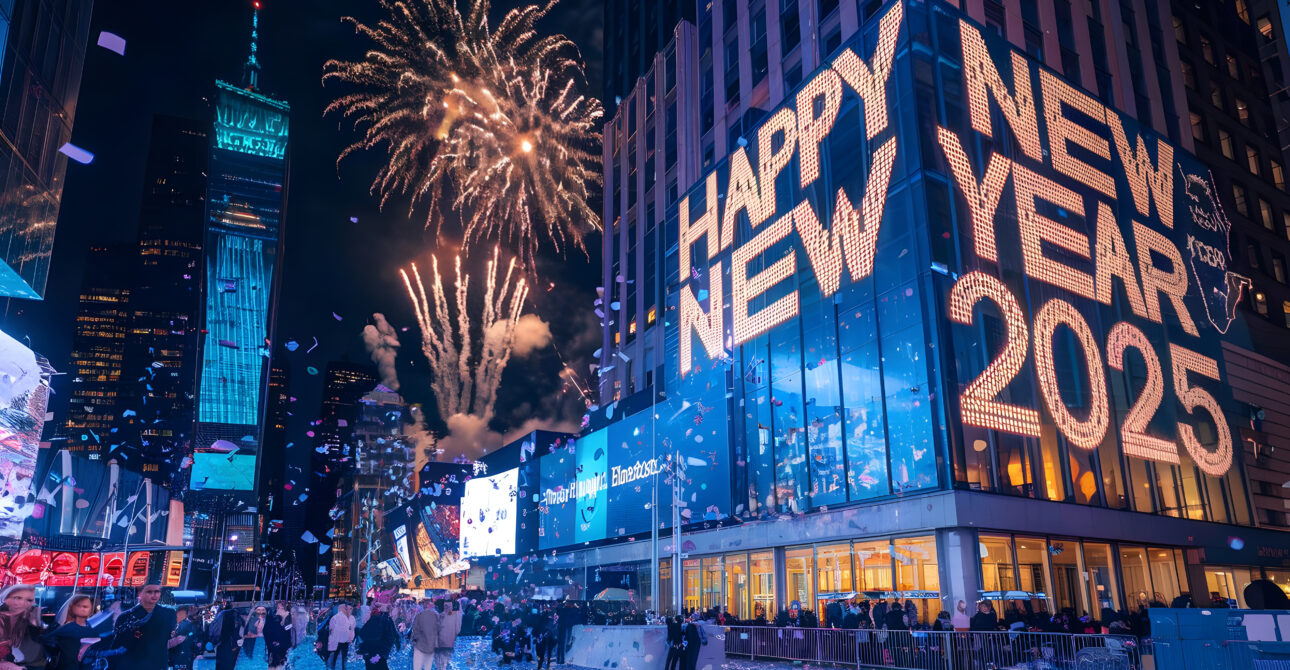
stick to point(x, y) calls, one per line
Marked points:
point(934, 650)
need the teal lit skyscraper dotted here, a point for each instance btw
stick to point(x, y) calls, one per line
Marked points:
point(245, 204)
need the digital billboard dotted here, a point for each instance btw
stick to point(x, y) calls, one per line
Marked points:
point(488, 515)
point(598, 486)
point(937, 251)
point(222, 471)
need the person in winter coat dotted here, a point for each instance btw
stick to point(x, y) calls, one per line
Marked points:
point(675, 644)
point(985, 619)
point(425, 637)
point(145, 631)
point(254, 630)
point(340, 631)
point(277, 636)
point(225, 634)
point(449, 629)
point(183, 646)
point(377, 638)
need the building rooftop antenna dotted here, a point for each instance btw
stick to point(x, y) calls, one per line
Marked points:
point(251, 70)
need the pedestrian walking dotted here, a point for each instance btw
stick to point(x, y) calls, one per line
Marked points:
point(449, 628)
point(226, 637)
point(693, 638)
point(377, 638)
point(340, 633)
point(425, 637)
point(253, 631)
point(277, 636)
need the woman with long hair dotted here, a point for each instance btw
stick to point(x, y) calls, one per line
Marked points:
point(20, 629)
point(277, 636)
point(76, 622)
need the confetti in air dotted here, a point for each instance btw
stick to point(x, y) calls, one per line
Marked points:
point(491, 123)
point(466, 375)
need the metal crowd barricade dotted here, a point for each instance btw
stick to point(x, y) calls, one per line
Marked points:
point(934, 650)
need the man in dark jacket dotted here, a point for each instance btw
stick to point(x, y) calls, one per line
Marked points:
point(833, 615)
point(567, 617)
point(693, 638)
point(675, 644)
point(985, 619)
point(145, 631)
point(797, 617)
point(379, 637)
point(185, 647)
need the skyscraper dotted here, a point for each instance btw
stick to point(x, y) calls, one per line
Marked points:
point(42, 43)
point(160, 371)
point(245, 204)
point(98, 350)
point(635, 31)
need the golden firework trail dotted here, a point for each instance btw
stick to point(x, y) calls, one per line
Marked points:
point(466, 375)
point(489, 122)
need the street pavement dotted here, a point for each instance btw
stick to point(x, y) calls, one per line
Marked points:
point(471, 652)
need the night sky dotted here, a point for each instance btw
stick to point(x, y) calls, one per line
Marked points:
point(175, 51)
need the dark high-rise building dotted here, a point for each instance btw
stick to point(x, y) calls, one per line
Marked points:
point(333, 456)
point(245, 205)
point(636, 30)
point(160, 378)
point(98, 351)
point(276, 466)
point(42, 43)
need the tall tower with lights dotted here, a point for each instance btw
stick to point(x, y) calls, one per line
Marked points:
point(246, 201)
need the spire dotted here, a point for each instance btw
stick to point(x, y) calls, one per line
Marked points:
point(251, 71)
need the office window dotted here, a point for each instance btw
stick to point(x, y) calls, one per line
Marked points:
point(827, 7)
point(1243, 10)
point(1197, 127)
point(1278, 267)
point(732, 73)
point(1188, 74)
point(790, 26)
point(1239, 199)
point(1285, 222)
point(1215, 95)
point(760, 59)
point(1264, 24)
point(1265, 213)
point(1225, 144)
point(1260, 302)
point(1180, 31)
point(1285, 309)
point(1252, 255)
point(1278, 174)
point(1243, 112)
point(1233, 68)
point(1207, 50)
point(1252, 160)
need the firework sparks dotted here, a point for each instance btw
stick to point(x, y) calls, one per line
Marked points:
point(488, 122)
point(466, 375)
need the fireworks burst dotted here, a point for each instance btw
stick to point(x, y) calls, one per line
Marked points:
point(490, 122)
point(466, 382)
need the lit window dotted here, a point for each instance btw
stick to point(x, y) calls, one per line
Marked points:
point(1265, 213)
point(1215, 96)
point(1180, 32)
point(650, 316)
point(1242, 10)
point(1239, 199)
point(1264, 25)
point(1197, 127)
point(1278, 175)
point(1233, 68)
point(1261, 302)
point(1243, 112)
point(1285, 309)
point(1225, 144)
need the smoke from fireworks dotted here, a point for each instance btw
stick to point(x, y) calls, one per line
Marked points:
point(466, 376)
point(490, 122)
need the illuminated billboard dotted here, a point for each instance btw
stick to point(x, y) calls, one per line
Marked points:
point(939, 257)
point(599, 486)
point(488, 515)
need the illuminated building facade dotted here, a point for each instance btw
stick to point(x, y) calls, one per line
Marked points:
point(948, 289)
point(42, 44)
point(245, 206)
point(102, 330)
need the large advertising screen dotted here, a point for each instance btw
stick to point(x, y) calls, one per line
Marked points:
point(488, 515)
point(599, 486)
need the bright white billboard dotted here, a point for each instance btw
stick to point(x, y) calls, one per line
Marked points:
point(488, 511)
